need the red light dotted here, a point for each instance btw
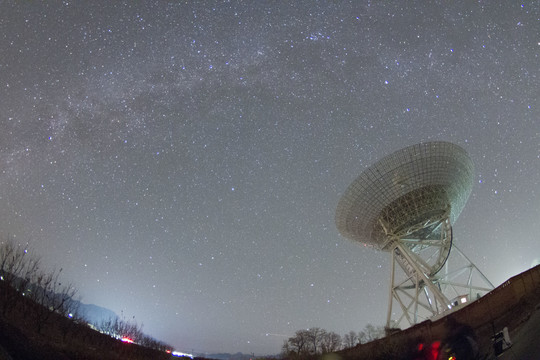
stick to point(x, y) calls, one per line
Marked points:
point(420, 346)
point(435, 349)
point(127, 340)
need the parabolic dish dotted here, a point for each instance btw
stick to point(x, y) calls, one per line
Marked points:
point(403, 190)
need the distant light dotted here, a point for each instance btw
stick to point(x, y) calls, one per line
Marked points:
point(127, 340)
point(70, 315)
point(463, 300)
point(178, 353)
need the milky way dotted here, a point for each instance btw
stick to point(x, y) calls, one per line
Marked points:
point(182, 161)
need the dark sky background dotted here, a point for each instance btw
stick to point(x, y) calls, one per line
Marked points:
point(182, 161)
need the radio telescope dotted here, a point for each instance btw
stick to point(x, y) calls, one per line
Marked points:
point(405, 204)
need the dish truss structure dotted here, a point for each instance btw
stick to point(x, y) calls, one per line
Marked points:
point(405, 204)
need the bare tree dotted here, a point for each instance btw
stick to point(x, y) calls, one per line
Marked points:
point(312, 341)
point(17, 269)
point(286, 349)
point(73, 318)
point(299, 344)
point(350, 340)
point(369, 334)
point(106, 326)
point(330, 342)
point(316, 341)
point(373, 332)
point(150, 342)
point(52, 295)
point(120, 328)
point(315, 336)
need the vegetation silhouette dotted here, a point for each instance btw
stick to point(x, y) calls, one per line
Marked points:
point(39, 317)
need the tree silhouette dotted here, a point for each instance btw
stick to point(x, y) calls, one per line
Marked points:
point(18, 268)
point(350, 339)
point(330, 342)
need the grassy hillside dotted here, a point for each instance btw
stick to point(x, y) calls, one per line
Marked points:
point(59, 337)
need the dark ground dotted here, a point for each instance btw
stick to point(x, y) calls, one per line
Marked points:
point(468, 332)
point(59, 338)
point(15, 345)
point(525, 340)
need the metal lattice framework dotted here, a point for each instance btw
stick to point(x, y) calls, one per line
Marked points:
point(406, 204)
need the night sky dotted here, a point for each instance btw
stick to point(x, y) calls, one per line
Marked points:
point(182, 161)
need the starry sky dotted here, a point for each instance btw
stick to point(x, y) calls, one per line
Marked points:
point(182, 160)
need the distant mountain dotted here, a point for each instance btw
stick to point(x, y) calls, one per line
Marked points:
point(237, 356)
point(226, 356)
point(94, 314)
